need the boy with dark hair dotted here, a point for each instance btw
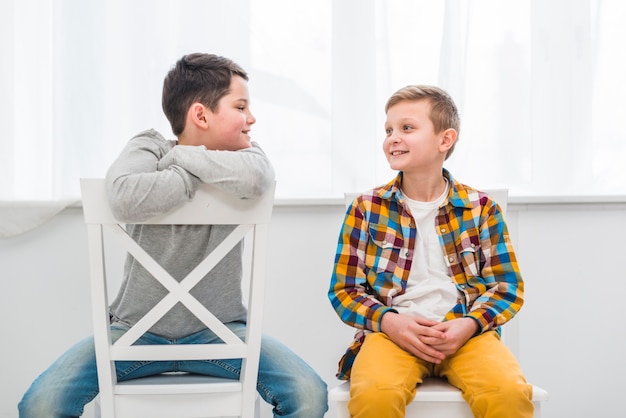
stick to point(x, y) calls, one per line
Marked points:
point(205, 98)
point(426, 272)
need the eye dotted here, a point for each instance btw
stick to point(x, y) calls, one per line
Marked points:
point(241, 108)
point(407, 127)
point(388, 131)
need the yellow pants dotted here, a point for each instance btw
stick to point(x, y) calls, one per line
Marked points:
point(385, 378)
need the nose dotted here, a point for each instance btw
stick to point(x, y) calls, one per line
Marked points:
point(250, 119)
point(392, 139)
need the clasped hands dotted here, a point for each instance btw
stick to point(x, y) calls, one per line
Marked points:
point(426, 339)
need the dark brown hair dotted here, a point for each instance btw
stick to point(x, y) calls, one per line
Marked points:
point(198, 77)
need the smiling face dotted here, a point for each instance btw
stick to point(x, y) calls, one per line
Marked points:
point(411, 143)
point(228, 128)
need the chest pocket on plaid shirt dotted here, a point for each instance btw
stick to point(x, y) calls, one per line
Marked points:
point(469, 253)
point(384, 248)
point(468, 246)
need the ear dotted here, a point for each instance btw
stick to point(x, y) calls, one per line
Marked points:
point(197, 115)
point(447, 140)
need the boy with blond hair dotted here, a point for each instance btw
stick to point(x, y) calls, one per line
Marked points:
point(426, 272)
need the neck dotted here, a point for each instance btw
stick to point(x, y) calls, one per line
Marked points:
point(424, 189)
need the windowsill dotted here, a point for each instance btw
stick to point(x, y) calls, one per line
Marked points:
point(334, 201)
point(549, 200)
point(513, 200)
point(32, 204)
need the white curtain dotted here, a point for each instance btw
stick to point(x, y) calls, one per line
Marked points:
point(539, 85)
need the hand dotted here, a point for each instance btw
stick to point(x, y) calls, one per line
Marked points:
point(458, 331)
point(418, 336)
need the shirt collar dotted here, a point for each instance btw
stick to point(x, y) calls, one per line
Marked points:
point(457, 196)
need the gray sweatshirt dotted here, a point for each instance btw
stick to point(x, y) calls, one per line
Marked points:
point(153, 175)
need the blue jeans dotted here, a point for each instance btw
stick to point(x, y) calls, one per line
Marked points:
point(285, 381)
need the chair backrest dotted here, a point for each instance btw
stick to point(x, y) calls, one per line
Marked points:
point(210, 206)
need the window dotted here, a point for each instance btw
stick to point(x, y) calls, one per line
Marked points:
point(538, 84)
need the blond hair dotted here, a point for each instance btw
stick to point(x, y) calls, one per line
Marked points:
point(443, 112)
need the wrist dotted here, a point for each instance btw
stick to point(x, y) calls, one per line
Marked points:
point(476, 325)
point(386, 319)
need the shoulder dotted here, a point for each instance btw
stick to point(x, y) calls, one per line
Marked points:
point(380, 200)
point(151, 138)
point(465, 196)
point(474, 204)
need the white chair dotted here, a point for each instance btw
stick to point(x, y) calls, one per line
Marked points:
point(179, 395)
point(435, 398)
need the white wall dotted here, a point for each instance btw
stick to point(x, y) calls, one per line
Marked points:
point(572, 334)
point(571, 337)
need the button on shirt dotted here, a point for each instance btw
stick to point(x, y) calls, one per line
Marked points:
point(375, 253)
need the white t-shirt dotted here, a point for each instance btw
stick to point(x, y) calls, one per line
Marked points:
point(430, 291)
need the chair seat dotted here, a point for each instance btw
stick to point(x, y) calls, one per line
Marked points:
point(434, 398)
point(155, 394)
point(174, 383)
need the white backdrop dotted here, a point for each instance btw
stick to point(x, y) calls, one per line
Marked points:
point(539, 85)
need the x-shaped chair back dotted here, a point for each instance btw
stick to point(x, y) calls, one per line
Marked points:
point(210, 206)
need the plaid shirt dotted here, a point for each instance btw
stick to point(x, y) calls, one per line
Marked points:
point(375, 252)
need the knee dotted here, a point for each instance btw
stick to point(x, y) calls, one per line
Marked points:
point(507, 396)
point(22, 409)
point(514, 391)
point(29, 407)
point(301, 398)
point(313, 398)
point(373, 399)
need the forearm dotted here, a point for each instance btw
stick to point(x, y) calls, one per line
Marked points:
point(137, 197)
point(363, 311)
point(503, 295)
point(246, 173)
point(136, 190)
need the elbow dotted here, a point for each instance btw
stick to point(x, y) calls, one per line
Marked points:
point(122, 213)
point(122, 201)
point(124, 216)
point(263, 181)
point(262, 187)
point(114, 189)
